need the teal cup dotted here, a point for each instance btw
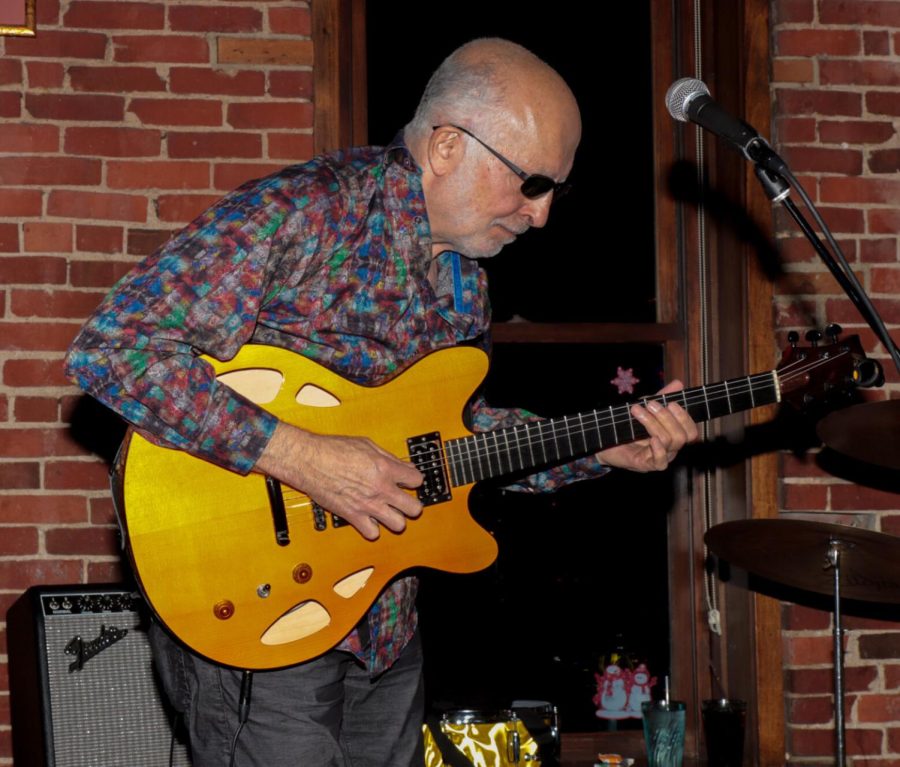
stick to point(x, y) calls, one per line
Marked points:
point(664, 732)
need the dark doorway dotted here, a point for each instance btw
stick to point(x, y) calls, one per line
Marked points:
point(583, 570)
point(600, 238)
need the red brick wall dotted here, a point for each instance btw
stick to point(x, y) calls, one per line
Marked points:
point(118, 123)
point(121, 120)
point(836, 85)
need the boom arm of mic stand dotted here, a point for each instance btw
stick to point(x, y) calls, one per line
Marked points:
point(777, 189)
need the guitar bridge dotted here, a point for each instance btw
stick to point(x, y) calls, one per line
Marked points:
point(427, 455)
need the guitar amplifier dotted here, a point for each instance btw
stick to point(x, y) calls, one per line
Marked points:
point(83, 692)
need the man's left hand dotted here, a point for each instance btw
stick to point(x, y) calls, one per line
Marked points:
point(670, 428)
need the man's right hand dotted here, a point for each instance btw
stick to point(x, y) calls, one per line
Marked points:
point(348, 476)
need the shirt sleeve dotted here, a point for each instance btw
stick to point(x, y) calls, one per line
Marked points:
point(200, 293)
point(487, 418)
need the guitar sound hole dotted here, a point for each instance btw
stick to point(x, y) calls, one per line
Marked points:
point(302, 620)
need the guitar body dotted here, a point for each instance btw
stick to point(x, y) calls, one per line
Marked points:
point(203, 539)
point(252, 574)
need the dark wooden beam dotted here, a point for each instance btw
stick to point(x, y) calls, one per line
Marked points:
point(339, 73)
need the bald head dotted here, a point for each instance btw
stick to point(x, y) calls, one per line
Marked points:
point(492, 84)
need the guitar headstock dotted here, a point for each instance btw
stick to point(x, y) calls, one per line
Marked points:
point(821, 372)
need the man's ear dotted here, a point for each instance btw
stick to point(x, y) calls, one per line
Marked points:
point(445, 150)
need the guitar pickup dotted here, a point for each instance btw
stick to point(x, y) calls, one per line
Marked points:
point(427, 455)
point(320, 518)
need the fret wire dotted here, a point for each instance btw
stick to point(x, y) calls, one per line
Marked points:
point(613, 419)
point(458, 450)
point(555, 440)
point(752, 398)
point(477, 469)
point(492, 454)
point(508, 451)
point(448, 448)
point(543, 442)
point(454, 476)
point(498, 451)
point(706, 402)
point(469, 458)
point(528, 429)
point(727, 396)
point(519, 446)
point(486, 452)
point(472, 463)
point(568, 435)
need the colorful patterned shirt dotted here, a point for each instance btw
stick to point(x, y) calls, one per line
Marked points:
point(328, 259)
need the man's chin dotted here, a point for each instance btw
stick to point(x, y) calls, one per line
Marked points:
point(482, 250)
point(486, 252)
point(489, 244)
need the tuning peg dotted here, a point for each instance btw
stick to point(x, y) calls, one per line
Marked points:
point(793, 337)
point(813, 336)
point(833, 331)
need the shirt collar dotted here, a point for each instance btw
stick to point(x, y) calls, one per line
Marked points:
point(398, 152)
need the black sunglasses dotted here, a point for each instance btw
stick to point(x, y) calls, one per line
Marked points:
point(533, 185)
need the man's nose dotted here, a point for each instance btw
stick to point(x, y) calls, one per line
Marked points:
point(538, 210)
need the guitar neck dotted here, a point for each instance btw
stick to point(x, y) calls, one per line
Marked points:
point(556, 440)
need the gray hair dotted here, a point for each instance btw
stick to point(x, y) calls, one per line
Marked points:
point(470, 87)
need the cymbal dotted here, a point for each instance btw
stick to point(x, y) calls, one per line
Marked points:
point(794, 552)
point(868, 433)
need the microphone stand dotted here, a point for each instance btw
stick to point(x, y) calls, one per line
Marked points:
point(777, 189)
point(688, 100)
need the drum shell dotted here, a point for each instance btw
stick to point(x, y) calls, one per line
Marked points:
point(486, 739)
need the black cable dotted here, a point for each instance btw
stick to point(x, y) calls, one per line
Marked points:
point(243, 711)
point(173, 724)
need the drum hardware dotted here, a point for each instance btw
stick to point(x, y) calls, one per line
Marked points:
point(834, 560)
point(541, 719)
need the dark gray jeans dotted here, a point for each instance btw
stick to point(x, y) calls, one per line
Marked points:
point(327, 712)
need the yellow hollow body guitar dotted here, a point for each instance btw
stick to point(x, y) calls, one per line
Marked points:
point(253, 574)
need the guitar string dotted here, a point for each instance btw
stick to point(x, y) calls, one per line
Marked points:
point(596, 420)
point(619, 414)
point(742, 386)
point(604, 418)
point(701, 394)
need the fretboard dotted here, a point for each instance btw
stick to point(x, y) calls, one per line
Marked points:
point(555, 440)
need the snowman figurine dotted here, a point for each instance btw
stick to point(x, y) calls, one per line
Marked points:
point(639, 691)
point(612, 693)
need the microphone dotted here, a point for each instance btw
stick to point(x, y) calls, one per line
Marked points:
point(688, 100)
